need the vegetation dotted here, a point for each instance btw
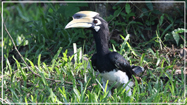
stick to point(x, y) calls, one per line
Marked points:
point(57, 72)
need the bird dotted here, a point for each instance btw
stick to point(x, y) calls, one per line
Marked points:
point(112, 66)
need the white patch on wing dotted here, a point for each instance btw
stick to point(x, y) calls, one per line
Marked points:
point(115, 76)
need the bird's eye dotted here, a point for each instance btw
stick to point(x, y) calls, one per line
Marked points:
point(95, 21)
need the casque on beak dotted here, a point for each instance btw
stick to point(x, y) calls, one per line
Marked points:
point(82, 19)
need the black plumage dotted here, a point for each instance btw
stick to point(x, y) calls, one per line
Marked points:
point(111, 65)
point(105, 60)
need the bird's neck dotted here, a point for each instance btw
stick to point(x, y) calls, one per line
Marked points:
point(101, 41)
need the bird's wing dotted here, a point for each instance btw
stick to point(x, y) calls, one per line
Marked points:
point(121, 63)
point(94, 59)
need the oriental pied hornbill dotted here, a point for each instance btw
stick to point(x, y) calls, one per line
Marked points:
point(111, 65)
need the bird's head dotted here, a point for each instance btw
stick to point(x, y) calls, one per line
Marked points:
point(87, 19)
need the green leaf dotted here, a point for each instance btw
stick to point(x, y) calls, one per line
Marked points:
point(43, 79)
point(167, 28)
point(176, 32)
point(151, 51)
point(131, 49)
point(124, 43)
point(55, 58)
point(142, 14)
point(127, 8)
point(156, 12)
point(176, 37)
point(168, 36)
point(26, 101)
point(150, 6)
point(161, 19)
point(142, 59)
point(158, 61)
point(144, 10)
point(25, 18)
point(31, 63)
point(52, 96)
point(76, 91)
point(117, 12)
point(114, 49)
point(169, 18)
point(39, 61)
point(18, 64)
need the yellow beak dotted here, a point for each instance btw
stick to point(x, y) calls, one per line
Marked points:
point(84, 21)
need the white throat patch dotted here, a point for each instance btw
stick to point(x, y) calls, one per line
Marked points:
point(97, 28)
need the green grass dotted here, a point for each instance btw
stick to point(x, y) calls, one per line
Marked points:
point(39, 34)
point(25, 87)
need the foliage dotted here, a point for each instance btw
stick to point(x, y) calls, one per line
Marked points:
point(42, 30)
point(25, 87)
point(150, 25)
point(175, 35)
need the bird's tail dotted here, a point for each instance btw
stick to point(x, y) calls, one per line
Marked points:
point(137, 69)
